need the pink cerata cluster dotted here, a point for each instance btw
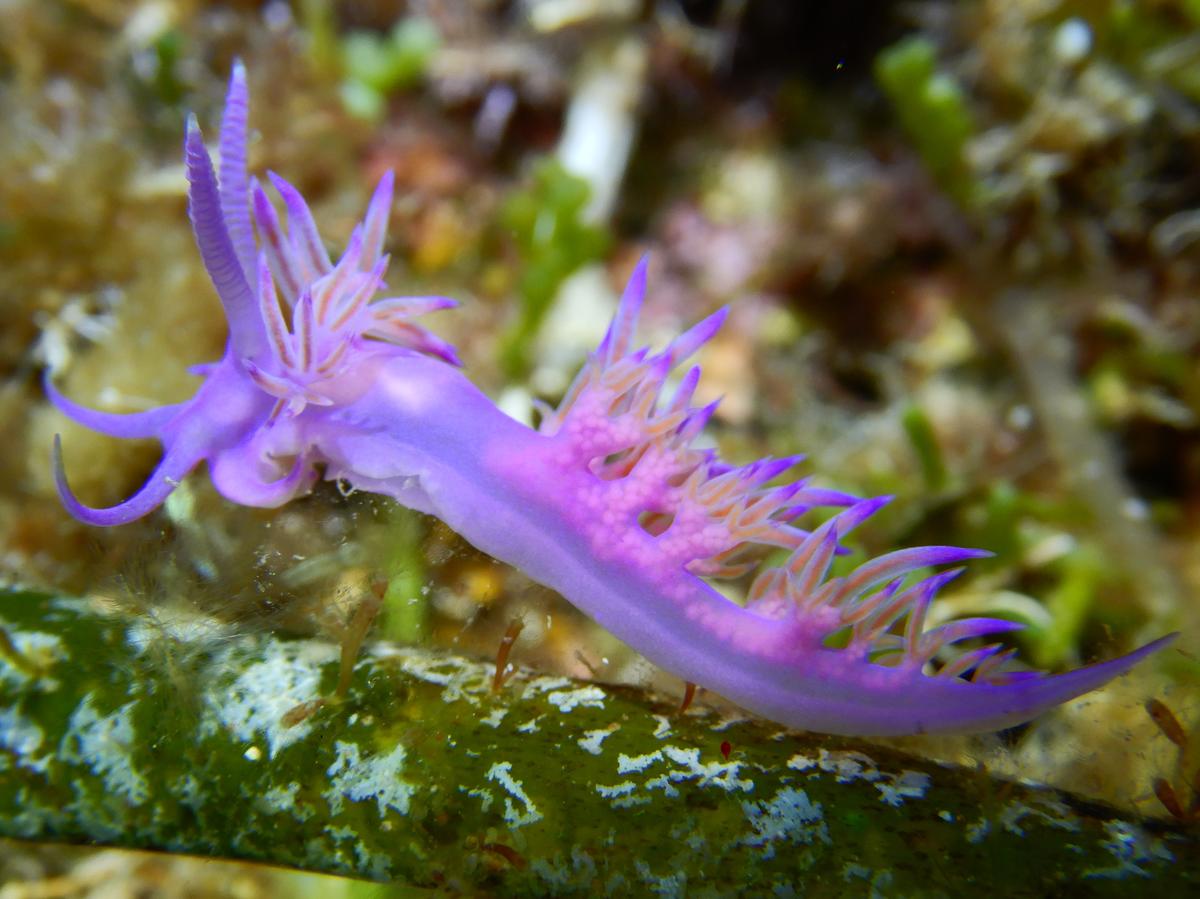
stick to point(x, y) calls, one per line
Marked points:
point(609, 502)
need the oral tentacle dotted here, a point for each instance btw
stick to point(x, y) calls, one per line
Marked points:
point(234, 187)
point(246, 332)
point(129, 425)
point(175, 465)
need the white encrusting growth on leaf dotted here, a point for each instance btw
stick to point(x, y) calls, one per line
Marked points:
point(359, 778)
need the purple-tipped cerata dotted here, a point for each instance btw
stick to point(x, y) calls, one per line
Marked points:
point(610, 502)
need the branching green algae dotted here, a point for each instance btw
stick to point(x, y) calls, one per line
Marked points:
point(553, 787)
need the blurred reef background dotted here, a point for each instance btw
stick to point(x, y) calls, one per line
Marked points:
point(960, 241)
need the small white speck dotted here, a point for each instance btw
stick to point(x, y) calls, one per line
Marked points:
point(662, 782)
point(1020, 418)
point(624, 788)
point(374, 777)
point(727, 723)
point(530, 726)
point(501, 773)
point(905, 785)
point(1135, 509)
point(1131, 848)
point(104, 743)
point(584, 697)
point(1072, 40)
point(848, 766)
point(547, 683)
point(668, 885)
point(484, 796)
point(637, 763)
point(22, 738)
point(252, 754)
point(977, 831)
point(282, 800)
point(801, 762)
point(852, 870)
point(788, 817)
point(36, 647)
point(715, 774)
point(591, 740)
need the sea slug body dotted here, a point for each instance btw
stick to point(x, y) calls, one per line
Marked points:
point(609, 502)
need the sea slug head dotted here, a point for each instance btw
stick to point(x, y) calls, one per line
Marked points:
point(305, 334)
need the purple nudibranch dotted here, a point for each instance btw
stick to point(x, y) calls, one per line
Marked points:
point(608, 502)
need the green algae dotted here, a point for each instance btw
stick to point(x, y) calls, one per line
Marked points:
point(932, 108)
point(545, 219)
point(376, 66)
point(921, 435)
